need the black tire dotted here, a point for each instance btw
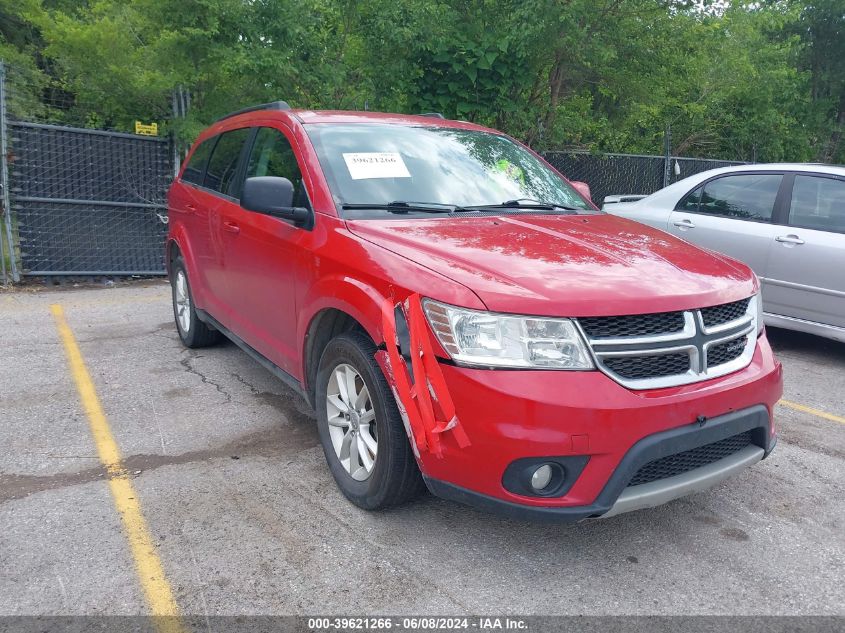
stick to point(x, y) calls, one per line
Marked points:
point(395, 477)
point(197, 333)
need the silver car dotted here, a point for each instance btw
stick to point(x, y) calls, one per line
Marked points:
point(786, 221)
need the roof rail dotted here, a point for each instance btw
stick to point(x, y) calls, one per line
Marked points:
point(433, 115)
point(274, 105)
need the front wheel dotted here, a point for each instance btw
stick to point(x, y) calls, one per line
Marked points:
point(360, 428)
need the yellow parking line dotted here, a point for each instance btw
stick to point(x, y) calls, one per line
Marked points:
point(147, 563)
point(812, 411)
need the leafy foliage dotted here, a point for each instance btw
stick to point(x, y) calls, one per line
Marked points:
point(735, 79)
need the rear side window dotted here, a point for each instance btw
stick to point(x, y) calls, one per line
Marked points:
point(690, 201)
point(818, 203)
point(744, 196)
point(272, 155)
point(223, 164)
point(195, 169)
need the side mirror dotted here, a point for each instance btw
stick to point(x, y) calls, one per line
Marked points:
point(272, 195)
point(583, 188)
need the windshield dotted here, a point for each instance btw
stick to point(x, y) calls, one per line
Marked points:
point(380, 164)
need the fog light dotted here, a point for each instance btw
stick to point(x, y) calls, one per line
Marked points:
point(541, 477)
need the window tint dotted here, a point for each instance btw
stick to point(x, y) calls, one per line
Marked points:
point(690, 201)
point(195, 169)
point(223, 164)
point(818, 203)
point(746, 196)
point(272, 155)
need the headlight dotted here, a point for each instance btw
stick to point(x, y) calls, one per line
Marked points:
point(473, 337)
point(755, 306)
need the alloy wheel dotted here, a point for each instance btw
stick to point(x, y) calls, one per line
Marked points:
point(352, 421)
point(183, 301)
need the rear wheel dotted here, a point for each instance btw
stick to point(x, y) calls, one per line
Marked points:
point(360, 428)
point(192, 331)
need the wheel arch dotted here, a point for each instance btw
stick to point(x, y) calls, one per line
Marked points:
point(178, 244)
point(171, 251)
point(339, 305)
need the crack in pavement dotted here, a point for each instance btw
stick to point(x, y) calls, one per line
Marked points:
point(286, 404)
point(296, 434)
point(186, 363)
point(276, 442)
point(118, 332)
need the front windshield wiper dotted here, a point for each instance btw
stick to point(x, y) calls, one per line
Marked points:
point(523, 203)
point(402, 206)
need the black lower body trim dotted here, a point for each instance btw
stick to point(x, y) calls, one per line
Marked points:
point(257, 356)
point(754, 419)
point(509, 509)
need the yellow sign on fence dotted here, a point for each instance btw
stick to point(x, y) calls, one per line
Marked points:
point(146, 130)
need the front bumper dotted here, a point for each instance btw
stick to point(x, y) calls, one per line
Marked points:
point(616, 497)
point(663, 490)
point(511, 415)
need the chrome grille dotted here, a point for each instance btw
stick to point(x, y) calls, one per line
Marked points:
point(652, 351)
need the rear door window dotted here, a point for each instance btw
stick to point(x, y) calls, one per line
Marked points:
point(690, 201)
point(272, 155)
point(741, 196)
point(223, 165)
point(195, 169)
point(818, 203)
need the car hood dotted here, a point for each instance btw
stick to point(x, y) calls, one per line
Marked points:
point(564, 265)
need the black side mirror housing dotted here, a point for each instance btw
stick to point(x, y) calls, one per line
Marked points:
point(272, 195)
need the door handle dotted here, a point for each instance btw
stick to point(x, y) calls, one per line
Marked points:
point(684, 224)
point(789, 239)
point(231, 227)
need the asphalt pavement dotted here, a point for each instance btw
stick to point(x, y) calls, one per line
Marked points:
point(222, 461)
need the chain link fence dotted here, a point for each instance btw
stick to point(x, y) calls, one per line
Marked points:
point(88, 201)
point(78, 201)
point(83, 201)
point(628, 174)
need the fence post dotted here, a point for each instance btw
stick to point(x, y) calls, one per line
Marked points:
point(667, 154)
point(4, 178)
point(2, 182)
point(175, 148)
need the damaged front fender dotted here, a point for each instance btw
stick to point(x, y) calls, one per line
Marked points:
point(413, 373)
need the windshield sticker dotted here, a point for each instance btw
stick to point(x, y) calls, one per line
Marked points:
point(363, 165)
point(514, 172)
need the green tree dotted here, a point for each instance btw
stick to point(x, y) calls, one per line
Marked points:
point(734, 78)
point(821, 27)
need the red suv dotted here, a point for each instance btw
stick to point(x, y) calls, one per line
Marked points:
point(461, 317)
